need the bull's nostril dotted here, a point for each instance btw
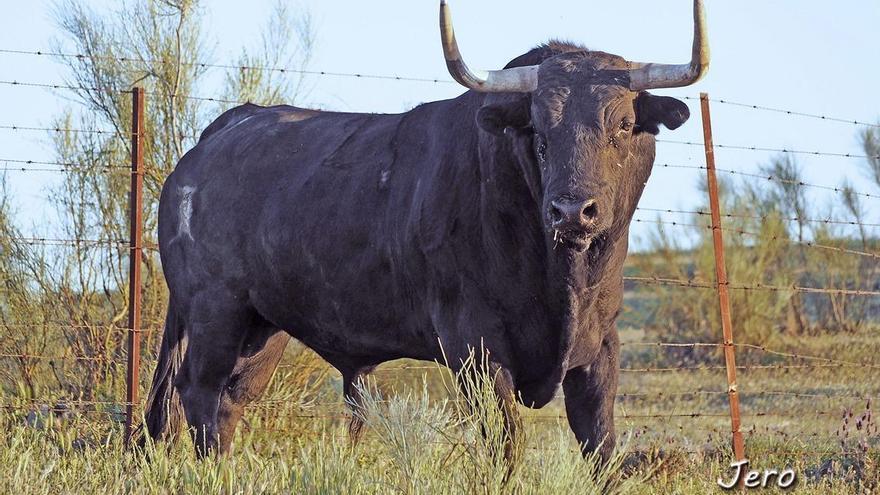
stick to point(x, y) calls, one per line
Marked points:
point(555, 213)
point(589, 210)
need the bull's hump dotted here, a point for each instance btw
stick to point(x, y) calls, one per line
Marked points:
point(237, 116)
point(294, 114)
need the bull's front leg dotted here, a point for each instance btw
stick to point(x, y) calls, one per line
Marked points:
point(589, 399)
point(471, 337)
point(505, 435)
point(506, 397)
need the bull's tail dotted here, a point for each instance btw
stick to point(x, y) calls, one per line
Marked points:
point(164, 411)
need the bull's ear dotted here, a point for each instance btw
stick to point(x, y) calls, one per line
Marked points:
point(494, 118)
point(651, 111)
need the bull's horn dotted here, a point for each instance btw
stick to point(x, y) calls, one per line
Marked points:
point(649, 76)
point(515, 80)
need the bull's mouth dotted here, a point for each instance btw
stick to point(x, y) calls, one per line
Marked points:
point(574, 240)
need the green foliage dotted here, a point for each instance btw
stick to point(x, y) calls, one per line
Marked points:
point(771, 238)
point(870, 139)
point(68, 301)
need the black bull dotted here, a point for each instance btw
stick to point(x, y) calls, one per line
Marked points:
point(495, 221)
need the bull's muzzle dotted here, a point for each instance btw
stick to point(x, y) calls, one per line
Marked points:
point(573, 221)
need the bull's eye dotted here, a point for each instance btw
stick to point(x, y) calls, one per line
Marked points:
point(540, 148)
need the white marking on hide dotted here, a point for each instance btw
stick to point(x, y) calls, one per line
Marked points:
point(242, 121)
point(185, 212)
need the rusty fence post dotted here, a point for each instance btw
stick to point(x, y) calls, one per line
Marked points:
point(722, 284)
point(135, 205)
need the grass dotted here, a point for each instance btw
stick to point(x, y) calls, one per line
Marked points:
point(420, 439)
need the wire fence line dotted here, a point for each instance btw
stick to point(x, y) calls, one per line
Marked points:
point(344, 414)
point(81, 242)
point(63, 170)
point(239, 102)
point(341, 408)
point(238, 67)
point(713, 345)
point(397, 369)
point(55, 129)
point(119, 136)
point(699, 284)
point(72, 87)
point(762, 218)
point(384, 77)
point(786, 112)
point(809, 244)
point(771, 178)
point(122, 244)
point(777, 150)
point(64, 165)
point(66, 403)
point(72, 357)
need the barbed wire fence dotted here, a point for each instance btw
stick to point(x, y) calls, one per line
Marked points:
point(785, 360)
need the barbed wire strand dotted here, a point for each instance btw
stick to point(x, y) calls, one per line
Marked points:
point(772, 178)
point(787, 112)
point(763, 218)
point(240, 67)
point(61, 406)
point(69, 242)
point(743, 367)
point(777, 150)
point(11, 127)
point(810, 244)
point(310, 405)
point(758, 286)
point(70, 87)
point(81, 242)
point(79, 327)
point(6, 355)
point(65, 166)
point(222, 100)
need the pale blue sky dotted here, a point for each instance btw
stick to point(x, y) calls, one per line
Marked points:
point(808, 55)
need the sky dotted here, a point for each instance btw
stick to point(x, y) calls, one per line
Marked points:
point(804, 55)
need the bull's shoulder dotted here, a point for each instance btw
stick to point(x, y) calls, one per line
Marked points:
point(236, 115)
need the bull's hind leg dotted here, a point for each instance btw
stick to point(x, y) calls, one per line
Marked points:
point(589, 400)
point(249, 380)
point(216, 330)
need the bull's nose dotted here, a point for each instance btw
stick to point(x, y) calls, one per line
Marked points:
point(566, 214)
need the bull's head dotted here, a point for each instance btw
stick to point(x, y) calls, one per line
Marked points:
point(582, 125)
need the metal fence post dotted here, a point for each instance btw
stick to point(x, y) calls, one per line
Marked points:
point(134, 265)
point(722, 284)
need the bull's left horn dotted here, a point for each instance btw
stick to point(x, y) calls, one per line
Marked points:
point(650, 76)
point(514, 80)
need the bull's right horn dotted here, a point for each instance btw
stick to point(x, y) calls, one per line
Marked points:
point(514, 80)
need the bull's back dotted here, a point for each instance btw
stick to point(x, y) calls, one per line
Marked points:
point(299, 211)
point(252, 156)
